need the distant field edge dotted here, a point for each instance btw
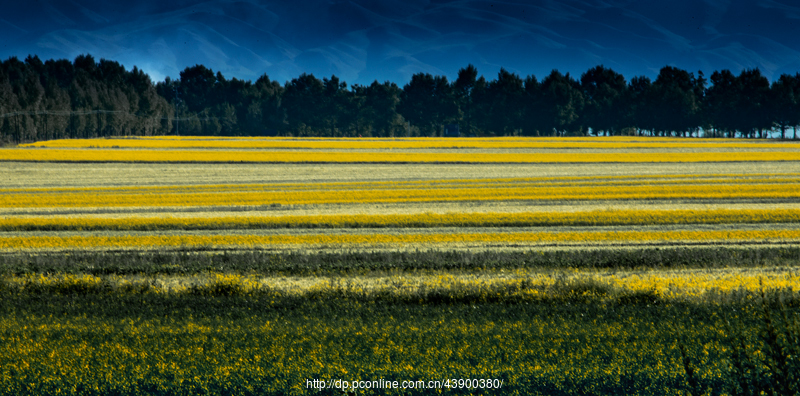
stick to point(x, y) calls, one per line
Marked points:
point(300, 157)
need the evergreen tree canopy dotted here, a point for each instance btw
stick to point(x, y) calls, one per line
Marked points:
point(90, 98)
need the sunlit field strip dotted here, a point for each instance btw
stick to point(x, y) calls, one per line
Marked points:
point(251, 156)
point(344, 143)
point(598, 218)
point(255, 241)
point(100, 198)
point(33, 176)
point(599, 181)
point(666, 284)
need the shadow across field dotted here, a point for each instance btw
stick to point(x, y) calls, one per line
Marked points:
point(348, 263)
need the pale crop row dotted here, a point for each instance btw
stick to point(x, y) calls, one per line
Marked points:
point(563, 181)
point(298, 156)
point(592, 218)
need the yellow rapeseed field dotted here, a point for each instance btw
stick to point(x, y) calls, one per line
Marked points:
point(498, 239)
point(27, 207)
point(732, 187)
point(616, 142)
point(172, 266)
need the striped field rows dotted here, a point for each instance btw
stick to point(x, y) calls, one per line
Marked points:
point(676, 187)
point(618, 142)
point(201, 192)
point(299, 156)
point(419, 220)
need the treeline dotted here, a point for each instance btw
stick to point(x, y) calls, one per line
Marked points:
point(80, 99)
point(85, 98)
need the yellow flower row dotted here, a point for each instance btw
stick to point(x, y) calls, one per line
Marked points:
point(376, 193)
point(296, 156)
point(403, 143)
point(665, 284)
point(504, 238)
point(696, 284)
point(593, 218)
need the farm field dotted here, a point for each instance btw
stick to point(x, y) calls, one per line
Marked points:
point(570, 143)
point(403, 150)
point(195, 265)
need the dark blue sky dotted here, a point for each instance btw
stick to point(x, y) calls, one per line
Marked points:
point(364, 40)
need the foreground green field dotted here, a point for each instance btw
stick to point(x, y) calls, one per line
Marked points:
point(523, 266)
point(585, 322)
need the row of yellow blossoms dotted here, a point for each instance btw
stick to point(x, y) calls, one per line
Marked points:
point(381, 192)
point(299, 156)
point(406, 143)
point(527, 219)
point(355, 240)
point(685, 284)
